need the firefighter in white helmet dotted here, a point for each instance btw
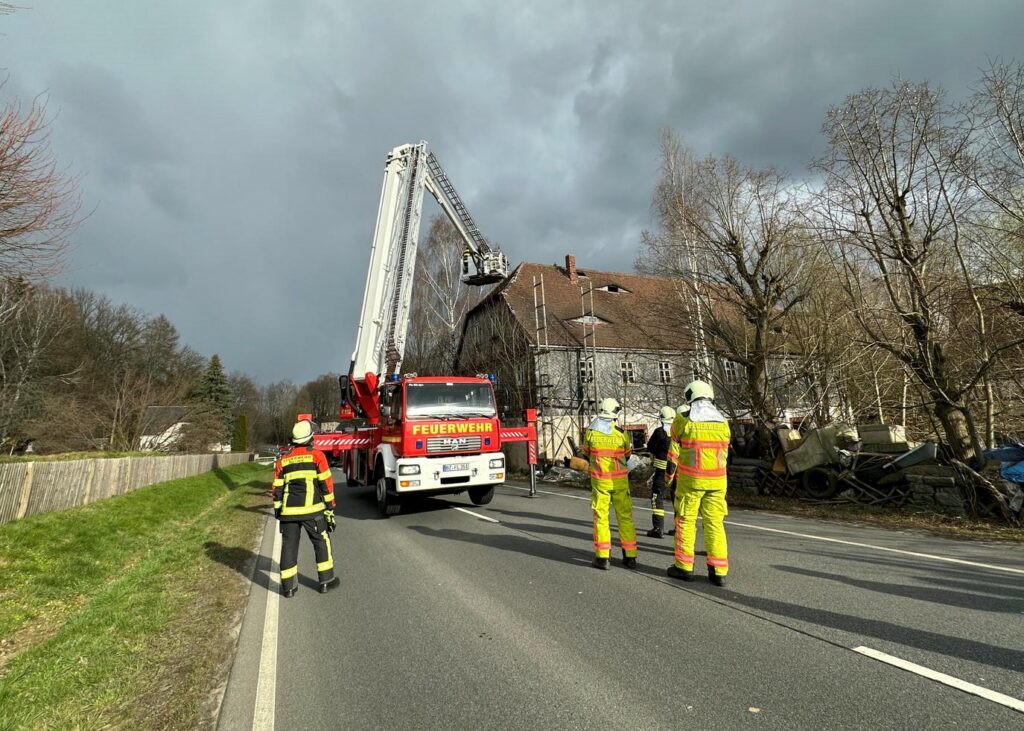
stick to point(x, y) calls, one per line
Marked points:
point(304, 500)
point(697, 456)
point(658, 445)
point(607, 449)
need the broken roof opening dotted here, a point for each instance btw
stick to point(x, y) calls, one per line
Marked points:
point(614, 288)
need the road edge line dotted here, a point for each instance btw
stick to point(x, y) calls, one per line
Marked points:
point(947, 559)
point(266, 686)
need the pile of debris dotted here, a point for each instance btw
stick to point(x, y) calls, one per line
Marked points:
point(874, 464)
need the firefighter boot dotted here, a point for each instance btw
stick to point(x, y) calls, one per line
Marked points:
point(655, 533)
point(714, 578)
point(600, 563)
point(677, 573)
point(327, 585)
point(629, 562)
point(289, 593)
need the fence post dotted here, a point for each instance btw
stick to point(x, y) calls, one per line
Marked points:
point(26, 489)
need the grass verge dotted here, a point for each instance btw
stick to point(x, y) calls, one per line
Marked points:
point(120, 614)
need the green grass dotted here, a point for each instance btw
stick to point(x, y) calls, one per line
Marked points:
point(118, 614)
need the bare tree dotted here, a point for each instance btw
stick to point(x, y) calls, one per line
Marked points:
point(894, 207)
point(39, 203)
point(440, 302)
point(320, 397)
point(37, 319)
point(732, 236)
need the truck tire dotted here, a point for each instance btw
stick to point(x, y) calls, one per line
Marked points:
point(387, 500)
point(819, 483)
point(481, 495)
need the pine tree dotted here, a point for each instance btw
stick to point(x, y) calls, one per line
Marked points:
point(240, 440)
point(211, 400)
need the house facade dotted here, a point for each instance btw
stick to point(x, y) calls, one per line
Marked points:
point(562, 338)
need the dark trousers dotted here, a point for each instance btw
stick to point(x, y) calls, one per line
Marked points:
point(658, 500)
point(291, 531)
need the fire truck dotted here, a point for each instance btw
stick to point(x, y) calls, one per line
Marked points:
point(418, 434)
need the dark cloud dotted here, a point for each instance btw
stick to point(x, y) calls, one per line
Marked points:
point(232, 152)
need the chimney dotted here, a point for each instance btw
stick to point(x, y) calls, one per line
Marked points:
point(570, 267)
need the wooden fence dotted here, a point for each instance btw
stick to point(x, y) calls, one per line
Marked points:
point(30, 488)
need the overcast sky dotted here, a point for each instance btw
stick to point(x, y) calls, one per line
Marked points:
point(232, 152)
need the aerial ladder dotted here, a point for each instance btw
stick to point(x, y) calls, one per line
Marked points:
point(442, 429)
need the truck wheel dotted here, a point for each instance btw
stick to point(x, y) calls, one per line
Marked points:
point(481, 495)
point(819, 483)
point(387, 501)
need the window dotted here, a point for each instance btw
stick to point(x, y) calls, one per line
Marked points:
point(731, 370)
point(696, 373)
point(627, 371)
point(590, 320)
point(586, 371)
point(637, 434)
point(614, 288)
point(665, 371)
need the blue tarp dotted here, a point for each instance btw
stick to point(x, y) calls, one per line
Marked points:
point(1012, 457)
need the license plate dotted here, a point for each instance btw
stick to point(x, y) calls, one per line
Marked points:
point(460, 467)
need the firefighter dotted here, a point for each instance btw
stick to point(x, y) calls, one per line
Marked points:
point(657, 445)
point(607, 449)
point(697, 457)
point(304, 500)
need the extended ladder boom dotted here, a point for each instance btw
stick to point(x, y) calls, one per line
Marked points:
point(384, 317)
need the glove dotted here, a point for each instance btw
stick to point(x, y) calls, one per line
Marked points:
point(329, 517)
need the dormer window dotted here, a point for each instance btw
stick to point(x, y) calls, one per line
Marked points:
point(590, 320)
point(614, 288)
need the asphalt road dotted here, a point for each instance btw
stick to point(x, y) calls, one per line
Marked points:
point(446, 620)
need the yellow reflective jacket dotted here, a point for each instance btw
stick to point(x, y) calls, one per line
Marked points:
point(607, 454)
point(699, 451)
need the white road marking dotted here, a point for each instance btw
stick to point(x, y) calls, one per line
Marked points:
point(947, 559)
point(990, 695)
point(266, 687)
point(477, 515)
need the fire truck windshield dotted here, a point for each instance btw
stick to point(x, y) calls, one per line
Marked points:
point(449, 401)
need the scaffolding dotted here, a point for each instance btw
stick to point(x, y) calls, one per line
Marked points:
point(565, 403)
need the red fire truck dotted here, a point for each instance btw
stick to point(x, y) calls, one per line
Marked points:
point(419, 434)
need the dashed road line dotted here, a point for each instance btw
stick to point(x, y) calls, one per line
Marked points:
point(990, 695)
point(266, 687)
point(477, 515)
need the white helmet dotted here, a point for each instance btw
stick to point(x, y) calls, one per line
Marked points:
point(698, 390)
point(609, 409)
point(667, 413)
point(302, 432)
point(683, 409)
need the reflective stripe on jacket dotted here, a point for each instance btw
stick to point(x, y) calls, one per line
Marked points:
point(607, 454)
point(303, 485)
point(699, 451)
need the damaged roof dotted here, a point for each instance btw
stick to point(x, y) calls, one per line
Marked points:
point(630, 311)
